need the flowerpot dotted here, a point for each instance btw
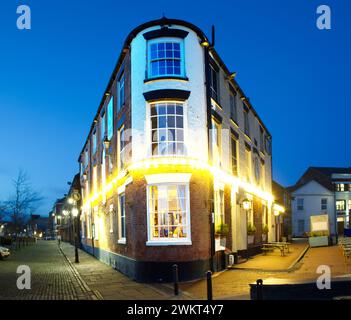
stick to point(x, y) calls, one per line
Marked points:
point(318, 241)
point(250, 239)
point(264, 237)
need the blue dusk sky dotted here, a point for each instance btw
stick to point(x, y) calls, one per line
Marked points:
point(52, 78)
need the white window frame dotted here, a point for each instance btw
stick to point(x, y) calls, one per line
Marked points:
point(121, 240)
point(169, 179)
point(148, 128)
point(182, 57)
point(121, 151)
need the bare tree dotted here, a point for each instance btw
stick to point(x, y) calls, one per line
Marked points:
point(23, 201)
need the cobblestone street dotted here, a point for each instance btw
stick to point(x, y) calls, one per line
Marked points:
point(51, 275)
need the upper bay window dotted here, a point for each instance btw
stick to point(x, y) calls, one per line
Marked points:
point(165, 58)
point(340, 187)
point(167, 128)
point(233, 108)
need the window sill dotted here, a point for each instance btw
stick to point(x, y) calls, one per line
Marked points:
point(234, 122)
point(169, 243)
point(122, 241)
point(166, 78)
point(247, 136)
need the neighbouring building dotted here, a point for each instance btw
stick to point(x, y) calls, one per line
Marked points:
point(72, 201)
point(322, 190)
point(283, 225)
point(177, 165)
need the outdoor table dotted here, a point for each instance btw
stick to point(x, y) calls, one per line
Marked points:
point(285, 244)
point(275, 245)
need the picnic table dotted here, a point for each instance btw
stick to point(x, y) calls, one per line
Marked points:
point(282, 246)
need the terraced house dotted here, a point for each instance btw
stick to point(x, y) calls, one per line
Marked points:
point(177, 164)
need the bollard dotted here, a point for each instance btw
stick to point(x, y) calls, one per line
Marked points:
point(176, 279)
point(259, 289)
point(209, 285)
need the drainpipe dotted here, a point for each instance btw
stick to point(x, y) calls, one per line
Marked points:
point(209, 128)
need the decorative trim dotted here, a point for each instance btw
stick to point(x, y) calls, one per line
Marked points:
point(176, 242)
point(165, 32)
point(216, 116)
point(247, 146)
point(166, 94)
point(168, 178)
point(234, 133)
point(166, 78)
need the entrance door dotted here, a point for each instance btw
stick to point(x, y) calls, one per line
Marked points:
point(341, 226)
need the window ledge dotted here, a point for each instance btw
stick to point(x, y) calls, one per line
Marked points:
point(234, 122)
point(166, 78)
point(169, 243)
point(122, 241)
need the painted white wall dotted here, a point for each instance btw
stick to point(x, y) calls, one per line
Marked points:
point(312, 193)
point(196, 111)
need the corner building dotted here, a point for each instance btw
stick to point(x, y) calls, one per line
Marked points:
point(173, 154)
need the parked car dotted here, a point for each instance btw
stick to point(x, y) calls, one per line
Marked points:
point(4, 253)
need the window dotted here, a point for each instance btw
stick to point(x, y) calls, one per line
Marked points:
point(301, 226)
point(95, 186)
point(219, 207)
point(86, 158)
point(103, 167)
point(349, 187)
point(168, 206)
point(246, 122)
point(111, 212)
point(324, 204)
point(121, 95)
point(122, 147)
point(110, 119)
point(233, 108)
point(167, 128)
point(340, 205)
point(216, 142)
point(165, 58)
point(94, 142)
point(300, 204)
point(234, 156)
point(87, 188)
point(89, 229)
point(339, 187)
point(214, 84)
point(261, 140)
point(102, 127)
point(248, 164)
point(122, 216)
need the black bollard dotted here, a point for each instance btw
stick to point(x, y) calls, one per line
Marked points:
point(176, 279)
point(259, 289)
point(209, 285)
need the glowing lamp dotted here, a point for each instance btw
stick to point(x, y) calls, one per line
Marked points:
point(246, 204)
point(75, 212)
point(106, 143)
point(70, 201)
point(205, 43)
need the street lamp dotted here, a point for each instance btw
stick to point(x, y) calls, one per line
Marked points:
point(75, 213)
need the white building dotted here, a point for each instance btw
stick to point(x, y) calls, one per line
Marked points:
point(322, 191)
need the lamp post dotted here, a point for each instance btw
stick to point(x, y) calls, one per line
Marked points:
point(75, 213)
point(246, 205)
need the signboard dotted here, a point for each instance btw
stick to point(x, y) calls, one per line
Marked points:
point(320, 223)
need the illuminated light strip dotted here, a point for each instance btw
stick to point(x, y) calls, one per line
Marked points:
point(277, 207)
point(218, 173)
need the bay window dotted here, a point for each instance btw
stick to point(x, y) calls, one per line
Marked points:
point(168, 213)
point(234, 155)
point(165, 58)
point(122, 147)
point(167, 128)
